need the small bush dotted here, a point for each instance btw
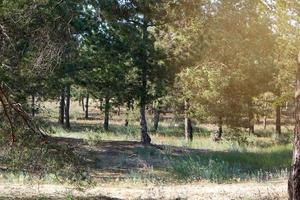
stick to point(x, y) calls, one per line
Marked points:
point(239, 136)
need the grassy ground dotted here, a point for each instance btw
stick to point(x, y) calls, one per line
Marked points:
point(115, 158)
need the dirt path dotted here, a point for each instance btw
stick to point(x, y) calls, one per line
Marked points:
point(271, 190)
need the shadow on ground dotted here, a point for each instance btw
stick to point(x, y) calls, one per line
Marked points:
point(118, 159)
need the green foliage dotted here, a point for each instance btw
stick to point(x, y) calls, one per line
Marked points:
point(233, 61)
point(236, 67)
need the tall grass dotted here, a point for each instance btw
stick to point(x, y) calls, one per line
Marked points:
point(233, 165)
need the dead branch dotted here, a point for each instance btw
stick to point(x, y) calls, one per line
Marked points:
point(9, 104)
point(7, 115)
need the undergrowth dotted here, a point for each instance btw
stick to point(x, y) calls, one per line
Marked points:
point(233, 166)
point(34, 158)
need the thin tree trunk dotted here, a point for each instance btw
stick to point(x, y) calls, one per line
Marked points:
point(156, 114)
point(67, 107)
point(32, 105)
point(7, 112)
point(220, 128)
point(87, 106)
point(106, 114)
point(278, 120)
point(82, 103)
point(188, 123)
point(127, 113)
point(265, 122)
point(119, 111)
point(132, 105)
point(145, 138)
point(61, 119)
point(143, 63)
point(294, 180)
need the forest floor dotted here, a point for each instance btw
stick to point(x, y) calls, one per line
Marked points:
point(119, 167)
point(251, 190)
point(129, 170)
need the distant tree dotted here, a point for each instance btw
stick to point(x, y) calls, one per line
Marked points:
point(138, 21)
point(220, 83)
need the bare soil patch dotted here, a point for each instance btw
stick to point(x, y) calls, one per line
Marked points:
point(273, 190)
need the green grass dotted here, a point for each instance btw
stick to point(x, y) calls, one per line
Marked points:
point(262, 165)
point(254, 157)
point(238, 157)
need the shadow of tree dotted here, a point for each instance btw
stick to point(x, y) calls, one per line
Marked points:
point(121, 158)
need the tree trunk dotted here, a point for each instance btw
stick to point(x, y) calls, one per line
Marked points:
point(61, 119)
point(294, 180)
point(188, 123)
point(278, 120)
point(132, 105)
point(106, 114)
point(119, 111)
point(67, 107)
point(127, 113)
point(32, 105)
point(265, 122)
point(220, 128)
point(145, 138)
point(156, 114)
point(82, 103)
point(87, 106)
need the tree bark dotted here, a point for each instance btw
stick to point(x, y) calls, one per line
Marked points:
point(132, 105)
point(119, 111)
point(220, 128)
point(67, 107)
point(294, 180)
point(7, 112)
point(61, 119)
point(87, 106)
point(32, 105)
point(188, 123)
point(278, 120)
point(142, 61)
point(82, 103)
point(127, 113)
point(106, 114)
point(145, 138)
point(265, 122)
point(156, 114)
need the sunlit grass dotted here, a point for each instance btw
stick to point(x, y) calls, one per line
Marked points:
point(256, 157)
point(263, 165)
